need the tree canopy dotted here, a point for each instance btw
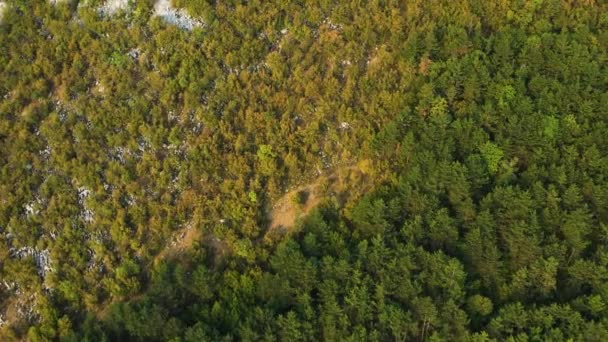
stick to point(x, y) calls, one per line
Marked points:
point(445, 164)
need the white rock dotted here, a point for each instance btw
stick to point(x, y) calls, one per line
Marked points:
point(83, 193)
point(121, 153)
point(88, 215)
point(175, 16)
point(344, 125)
point(30, 210)
point(46, 153)
point(63, 116)
point(33, 208)
point(134, 53)
point(331, 25)
point(143, 145)
point(112, 7)
point(42, 258)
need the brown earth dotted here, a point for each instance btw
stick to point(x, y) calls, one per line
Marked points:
point(336, 184)
point(181, 240)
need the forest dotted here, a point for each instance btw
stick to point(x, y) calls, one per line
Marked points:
point(282, 170)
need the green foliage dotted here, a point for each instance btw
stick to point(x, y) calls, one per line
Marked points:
point(369, 217)
point(492, 154)
point(457, 150)
point(253, 197)
point(551, 127)
point(265, 153)
point(126, 278)
point(118, 59)
point(480, 305)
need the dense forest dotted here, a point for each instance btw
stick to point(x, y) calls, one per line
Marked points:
point(279, 170)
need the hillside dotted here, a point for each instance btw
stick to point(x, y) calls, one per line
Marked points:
point(198, 170)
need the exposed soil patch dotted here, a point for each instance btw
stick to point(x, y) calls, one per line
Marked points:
point(300, 201)
point(186, 238)
point(181, 241)
point(285, 212)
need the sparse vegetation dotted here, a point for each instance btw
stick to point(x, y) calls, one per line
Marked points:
point(317, 170)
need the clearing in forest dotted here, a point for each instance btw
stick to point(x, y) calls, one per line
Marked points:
point(181, 240)
point(342, 184)
point(303, 199)
point(185, 238)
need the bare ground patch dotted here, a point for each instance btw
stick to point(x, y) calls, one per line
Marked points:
point(181, 240)
point(299, 202)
